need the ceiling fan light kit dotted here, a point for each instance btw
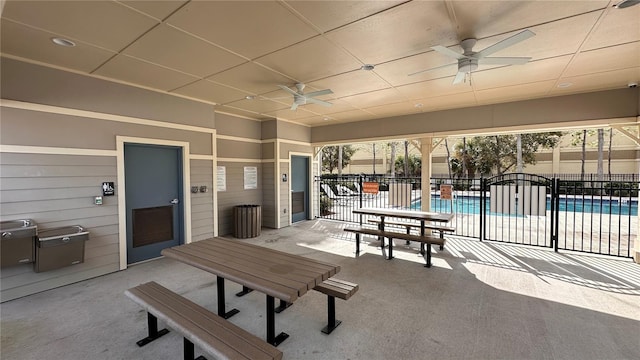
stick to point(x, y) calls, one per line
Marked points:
point(469, 60)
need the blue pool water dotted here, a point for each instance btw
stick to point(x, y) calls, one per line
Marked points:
point(471, 205)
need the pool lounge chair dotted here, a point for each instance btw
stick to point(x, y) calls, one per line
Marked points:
point(340, 200)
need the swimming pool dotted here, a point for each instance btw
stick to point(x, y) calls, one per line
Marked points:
point(471, 205)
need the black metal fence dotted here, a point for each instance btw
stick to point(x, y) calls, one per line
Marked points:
point(580, 215)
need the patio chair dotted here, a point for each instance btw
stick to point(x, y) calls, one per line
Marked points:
point(340, 200)
point(345, 191)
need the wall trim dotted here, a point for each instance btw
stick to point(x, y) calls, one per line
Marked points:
point(25, 149)
point(244, 160)
point(214, 190)
point(239, 138)
point(122, 209)
point(201, 157)
point(287, 141)
point(310, 177)
point(100, 116)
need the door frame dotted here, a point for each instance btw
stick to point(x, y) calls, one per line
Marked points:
point(122, 206)
point(309, 156)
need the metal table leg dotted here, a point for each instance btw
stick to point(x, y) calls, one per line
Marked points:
point(221, 299)
point(271, 324)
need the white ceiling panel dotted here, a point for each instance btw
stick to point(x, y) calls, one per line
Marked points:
point(175, 49)
point(138, 72)
point(248, 28)
point(222, 51)
point(26, 42)
point(100, 23)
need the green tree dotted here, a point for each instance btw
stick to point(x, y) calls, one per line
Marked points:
point(413, 166)
point(330, 157)
point(487, 155)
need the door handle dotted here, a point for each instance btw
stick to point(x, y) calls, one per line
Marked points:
point(175, 201)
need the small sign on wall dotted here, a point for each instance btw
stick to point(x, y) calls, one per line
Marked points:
point(221, 179)
point(250, 177)
point(108, 189)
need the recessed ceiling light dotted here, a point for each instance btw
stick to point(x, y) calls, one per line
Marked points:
point(326, 118)
point(63, 42)
point(367, 67)
point(249, 97)
point(565, 85)
point(418, 105)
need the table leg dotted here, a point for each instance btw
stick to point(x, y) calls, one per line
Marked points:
point(428, 256)
point(390, 249)
point(283, 305)
point(245, 291)
point(221, 299)
point(271, 324)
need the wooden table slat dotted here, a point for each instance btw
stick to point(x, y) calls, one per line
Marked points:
point(406, 214)
point(333, 269)
point(259, 271)
point(310, 276)
point(249, 280)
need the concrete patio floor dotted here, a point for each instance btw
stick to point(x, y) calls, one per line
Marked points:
point(480, 300)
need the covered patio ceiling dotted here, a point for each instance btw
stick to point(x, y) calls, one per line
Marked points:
point(234, 54)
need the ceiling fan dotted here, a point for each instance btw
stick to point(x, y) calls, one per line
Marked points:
point(469, 60)
point(300, 98)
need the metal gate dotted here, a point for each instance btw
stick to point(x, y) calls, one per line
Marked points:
point(519, 208)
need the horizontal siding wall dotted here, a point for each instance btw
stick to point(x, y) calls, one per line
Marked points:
point(235, 194)
point(284, 195)
point(202, 212)
point(58, 190)
point(268, 196)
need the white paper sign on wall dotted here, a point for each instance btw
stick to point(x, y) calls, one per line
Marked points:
point(250, 177)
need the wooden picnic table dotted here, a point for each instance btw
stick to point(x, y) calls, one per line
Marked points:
point(422, 216)
point(277, 274)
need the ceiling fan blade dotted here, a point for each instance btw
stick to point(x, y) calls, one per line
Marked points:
point(318, 93)
point(448, 52)
point(319, 102)
point(504, 60)
point(288, 90)
point(459, 78)
point(433, 68)
point(294, 106)
point(521, 36)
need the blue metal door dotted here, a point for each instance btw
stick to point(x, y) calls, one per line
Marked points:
point(153, 184)
point(299, 188)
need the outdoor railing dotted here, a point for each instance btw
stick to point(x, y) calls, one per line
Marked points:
point(589, 215)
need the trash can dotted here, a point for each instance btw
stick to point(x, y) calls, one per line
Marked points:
point(60, 247)
point(247, 221)
point(17, 245)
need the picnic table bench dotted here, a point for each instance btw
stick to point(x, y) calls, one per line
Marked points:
point(335, 288)
point(197, 325)
point(422, 239)
point(438, 227)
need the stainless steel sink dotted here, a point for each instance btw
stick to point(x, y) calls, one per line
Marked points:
point(18, 242)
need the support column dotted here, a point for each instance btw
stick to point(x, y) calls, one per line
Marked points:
point(555, 162)
point(635, 252)
point(426, 144)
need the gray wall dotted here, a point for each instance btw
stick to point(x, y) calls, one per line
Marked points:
point(202, 211)
point(236, 194)
point(57, 189)
point(242, 148)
